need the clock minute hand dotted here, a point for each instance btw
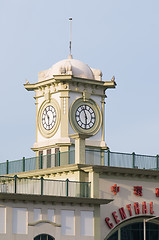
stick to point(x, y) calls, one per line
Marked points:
point(85, 116)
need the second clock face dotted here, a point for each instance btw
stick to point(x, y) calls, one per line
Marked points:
point(49, 117)
point(85, 116)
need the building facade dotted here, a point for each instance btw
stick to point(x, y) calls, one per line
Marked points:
point(75, 188)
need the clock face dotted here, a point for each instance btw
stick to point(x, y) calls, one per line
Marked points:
point(49, 117)
point(85, 116)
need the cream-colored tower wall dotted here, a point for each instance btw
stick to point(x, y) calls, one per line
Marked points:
point(40, 139)
point(126, 196)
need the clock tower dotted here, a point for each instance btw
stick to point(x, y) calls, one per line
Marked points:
point(70, 98)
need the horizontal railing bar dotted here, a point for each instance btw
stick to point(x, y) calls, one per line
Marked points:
point(91, 150)
point(142, 155)
point(122, 153)
point(1, 176)
point(45, 179)
point(136, 154)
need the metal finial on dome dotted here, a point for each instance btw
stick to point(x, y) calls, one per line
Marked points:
point(70, 56)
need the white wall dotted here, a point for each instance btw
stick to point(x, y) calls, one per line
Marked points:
point(2, 220)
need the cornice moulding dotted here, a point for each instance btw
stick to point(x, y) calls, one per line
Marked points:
point(53, 199)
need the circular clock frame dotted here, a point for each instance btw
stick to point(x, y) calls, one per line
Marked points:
point(53, 104)
point(93, 129)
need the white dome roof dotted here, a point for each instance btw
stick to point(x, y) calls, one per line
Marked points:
point(73, 67)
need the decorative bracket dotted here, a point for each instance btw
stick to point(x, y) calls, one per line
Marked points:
point(86, 95)
point(47, 96)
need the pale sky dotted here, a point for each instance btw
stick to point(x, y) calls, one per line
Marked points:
point(120, 37)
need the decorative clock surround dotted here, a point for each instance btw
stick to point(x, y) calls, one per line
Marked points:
point(49, 118)
point(85, 116)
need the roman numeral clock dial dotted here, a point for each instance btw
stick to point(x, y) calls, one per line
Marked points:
point(85, 116)
point(49, 118)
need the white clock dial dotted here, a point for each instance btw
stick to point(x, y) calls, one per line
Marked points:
point(85, 116)
point(49, 117)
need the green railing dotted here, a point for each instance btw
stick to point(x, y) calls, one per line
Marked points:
point(127, 160)
point(41, 186)
point(93, 157)
point(40, 162)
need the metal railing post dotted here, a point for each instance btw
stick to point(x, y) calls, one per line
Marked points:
point(89, 190)
point(108, 157)
point(133, 155)
point(15, 184)
point(86, 190)
point(23, 164)
point(102, 157)
point(42, 182)
point(59, 158)
point(69, 157)
point(157, 160)
point(83, 187)
point(7, 167)
point(67, 182)
point(41, 161)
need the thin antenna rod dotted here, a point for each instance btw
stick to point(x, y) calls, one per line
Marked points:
point(70, 19)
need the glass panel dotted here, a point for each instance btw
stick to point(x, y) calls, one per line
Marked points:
point(114, 236)
point(135, 232)
point(48, 158)
point(121, 160)
point(50, 238)
point(44, 237)
point(37, 238)
point(145, 162)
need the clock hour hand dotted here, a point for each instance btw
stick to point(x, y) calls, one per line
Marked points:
point(48, 118)
point(85, 116)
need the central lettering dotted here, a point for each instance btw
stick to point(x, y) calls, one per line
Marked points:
point(123, 215)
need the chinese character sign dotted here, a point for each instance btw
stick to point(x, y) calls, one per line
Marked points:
point(157, 192)
point(115, 189)
point(138, 190)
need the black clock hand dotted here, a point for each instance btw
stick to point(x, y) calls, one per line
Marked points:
point(85, 116)
point(48, 118)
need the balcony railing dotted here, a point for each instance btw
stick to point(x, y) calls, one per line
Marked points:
point(43, 186)
point(40, 162)
point(93, 157)
point(117, 159)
